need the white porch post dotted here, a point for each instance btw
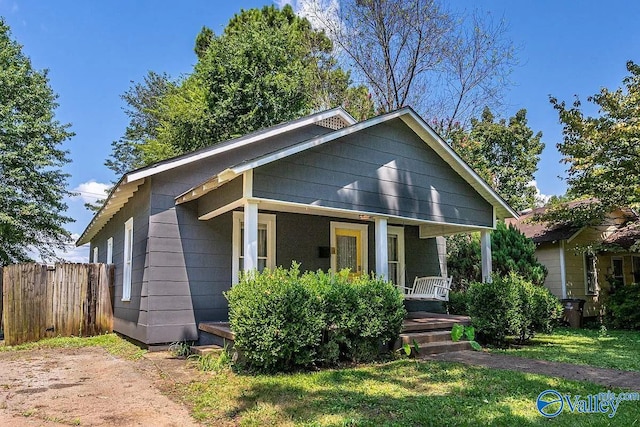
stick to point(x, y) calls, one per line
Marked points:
point(485, 250)
point(250, 236)
point(382, 251)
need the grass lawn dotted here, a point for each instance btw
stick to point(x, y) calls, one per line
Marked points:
point(402, 393)
point(616, 349)
point(110, 342)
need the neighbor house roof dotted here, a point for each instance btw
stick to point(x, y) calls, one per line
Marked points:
point(541, 232)
point(337, 119)
point(625, 237)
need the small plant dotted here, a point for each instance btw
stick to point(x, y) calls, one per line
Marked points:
point(410, 350)
point(181, 348)
point(469, 332)
point(213, 362)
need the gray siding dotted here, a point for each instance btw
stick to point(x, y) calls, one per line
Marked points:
point(221, 196)
point(130, 316)
point(385, 169)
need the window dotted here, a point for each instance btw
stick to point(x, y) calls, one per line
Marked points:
point(95, 255)
point(395, 250)
point(591, 274)
point(266, 243)
point(617, 271)
point(128, 259)
point(110, 250)
point(636, 268)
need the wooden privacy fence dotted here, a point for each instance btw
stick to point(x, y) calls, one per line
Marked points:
point(41, 301)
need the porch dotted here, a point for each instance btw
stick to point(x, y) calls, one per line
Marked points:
point(431, 331)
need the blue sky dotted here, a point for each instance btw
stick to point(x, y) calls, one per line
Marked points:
point(94, 49)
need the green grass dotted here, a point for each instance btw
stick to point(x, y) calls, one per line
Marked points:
point(114, 344)
point(399, 393)
point(616, 349)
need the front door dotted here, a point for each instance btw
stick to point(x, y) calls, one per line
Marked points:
point(348, 248)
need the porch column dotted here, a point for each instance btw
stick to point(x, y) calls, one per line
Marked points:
point(250, 236)
point(485, 250)
point(382, 251)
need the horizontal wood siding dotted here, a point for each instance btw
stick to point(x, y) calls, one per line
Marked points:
point(421, 255)
point(220, 197)
point(133, 313)
point(548, 255)
point(298, 238)
point(385, 169)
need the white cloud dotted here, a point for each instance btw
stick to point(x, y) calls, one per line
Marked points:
point(541, 199)
point(91, 191)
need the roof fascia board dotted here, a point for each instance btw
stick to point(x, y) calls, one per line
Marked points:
point(574, 235)
point(242, 141)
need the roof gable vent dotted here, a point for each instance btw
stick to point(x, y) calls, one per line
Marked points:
point(334, 123)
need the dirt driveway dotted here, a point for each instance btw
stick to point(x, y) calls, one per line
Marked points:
point(85, 386)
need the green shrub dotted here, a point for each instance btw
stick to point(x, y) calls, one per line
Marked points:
point(276, 320)
point(283, 320)
point(623, 308)
point(457, 303)
point(511, 306)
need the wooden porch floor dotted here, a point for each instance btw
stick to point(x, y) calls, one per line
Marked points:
point(415, 321)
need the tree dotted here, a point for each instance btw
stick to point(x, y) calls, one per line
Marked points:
point(416, 52)
point(603, 152)
point(511, 251)
point(267, 67)
point(33, 186)
point(506, 153)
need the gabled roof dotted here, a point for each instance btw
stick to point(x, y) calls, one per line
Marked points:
point(335, 118)
point(541, 232)
point(624, 237)
point(408, 116)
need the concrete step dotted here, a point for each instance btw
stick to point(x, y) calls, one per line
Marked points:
point(203, 350)
point(443, 347)
point(425, 325)
point(425, 337)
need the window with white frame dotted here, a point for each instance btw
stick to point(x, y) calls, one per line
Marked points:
point(266, 243)
point(395, 250)
point(128, 260)
point(591, 274)
point(95, 255)
point(110, 250)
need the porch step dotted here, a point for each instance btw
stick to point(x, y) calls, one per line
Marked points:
point(423, 322)
point(203, 350)
point(443, 347)
point(220, 329)
point(426, 337)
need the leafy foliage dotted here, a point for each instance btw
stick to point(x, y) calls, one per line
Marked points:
point(511, 306)
point(603, 152)
point(511, 251)
point(505, 153)
point(623, 307)
point(457, 303)
point(284, 320)
point(33, 186)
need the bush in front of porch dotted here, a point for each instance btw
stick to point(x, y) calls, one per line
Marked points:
point(285, 320)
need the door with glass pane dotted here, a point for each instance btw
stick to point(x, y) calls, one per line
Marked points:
point(349, 251)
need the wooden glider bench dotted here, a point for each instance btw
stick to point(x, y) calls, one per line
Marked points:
point(431, 288)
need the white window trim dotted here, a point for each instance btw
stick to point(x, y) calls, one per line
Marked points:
point(127, 265)
point(364, 233)
point(95, 255)
point(399, 233)
point(263, 219)
point(110, 250)
point(613, 269)
point(586, 274)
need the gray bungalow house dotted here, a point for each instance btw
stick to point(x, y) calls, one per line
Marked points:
point(323, 190)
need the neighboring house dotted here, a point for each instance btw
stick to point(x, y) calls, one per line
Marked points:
point(323, 190)
point(582, 261)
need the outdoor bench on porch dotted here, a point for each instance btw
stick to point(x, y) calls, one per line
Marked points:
point(428, 288)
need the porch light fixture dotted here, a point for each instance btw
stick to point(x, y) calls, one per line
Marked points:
point(364, 217)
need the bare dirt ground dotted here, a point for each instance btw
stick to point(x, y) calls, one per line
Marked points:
point(88, 386)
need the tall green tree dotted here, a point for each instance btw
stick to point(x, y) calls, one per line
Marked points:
point(602, 151)
point(504, 152)
point(268, 66)
point(33, 186)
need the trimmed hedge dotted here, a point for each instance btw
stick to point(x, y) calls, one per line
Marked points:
point(511, 306)
point(284, 320)
point(623, 308)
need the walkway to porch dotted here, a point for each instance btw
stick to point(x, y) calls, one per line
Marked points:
point(432, 332)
